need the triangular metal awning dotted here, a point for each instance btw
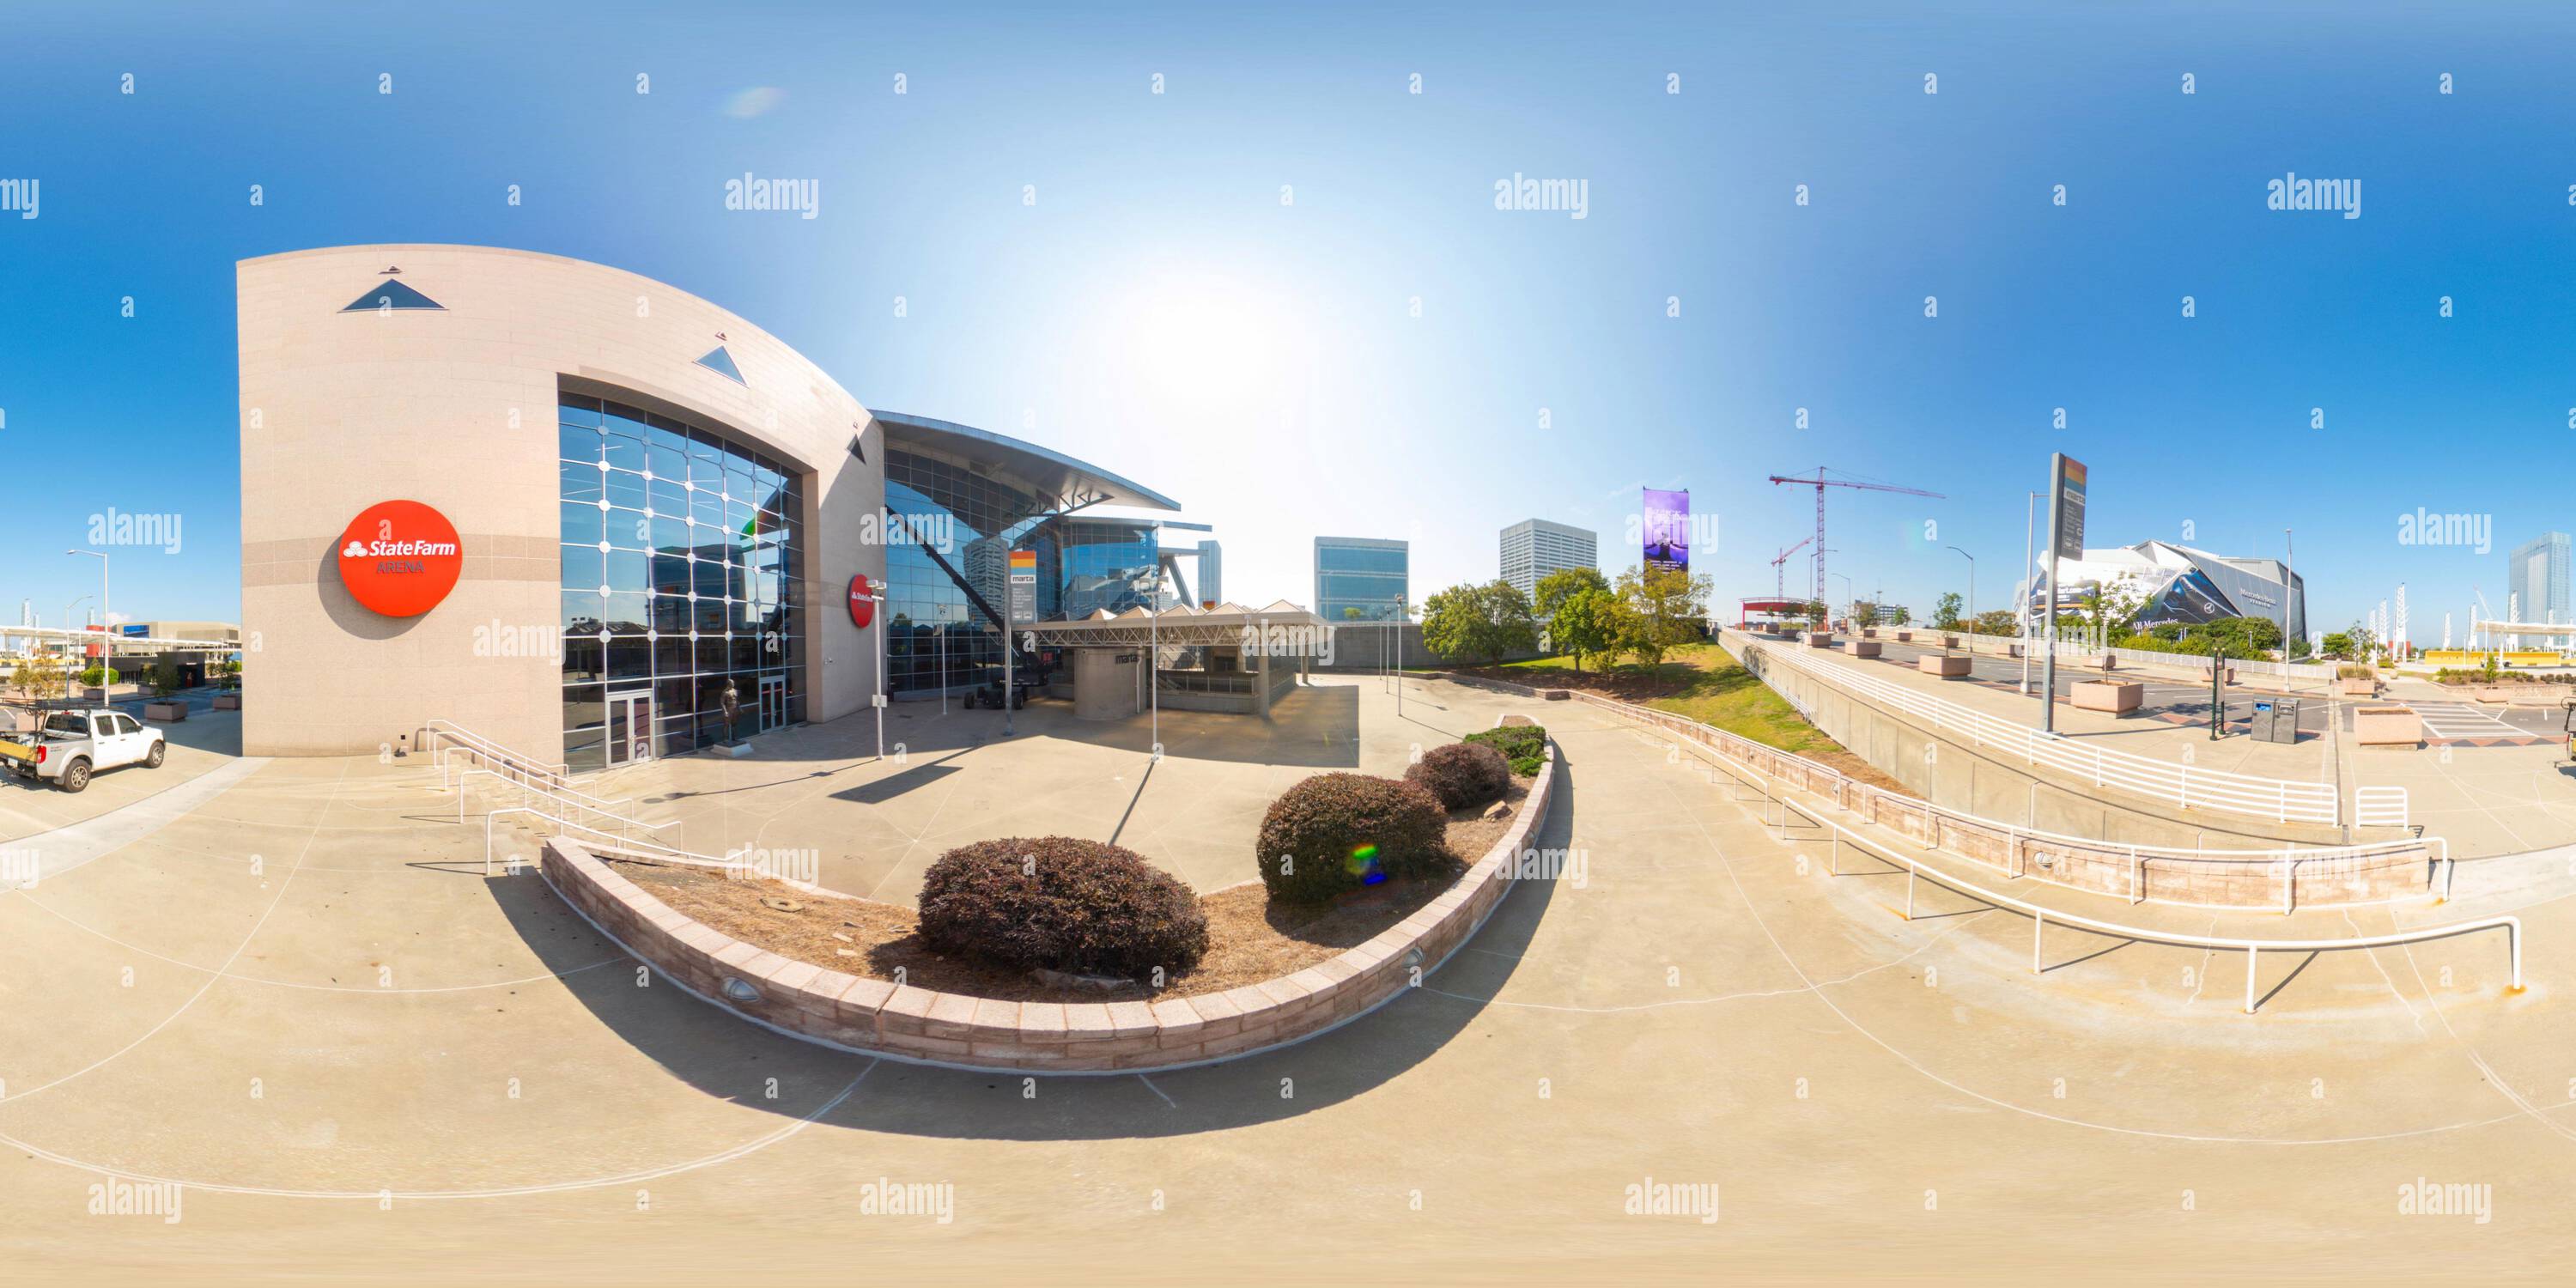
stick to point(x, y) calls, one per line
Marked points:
point(385, 296)
point(721, 363)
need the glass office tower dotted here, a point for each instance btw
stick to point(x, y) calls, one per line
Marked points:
point(1361, 579)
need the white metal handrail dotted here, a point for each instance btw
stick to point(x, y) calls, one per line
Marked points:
point(2186, 786)
point(2041, 916)
point(449, 729)
point(2379, 807)
point(569, 795)
point(622, 820)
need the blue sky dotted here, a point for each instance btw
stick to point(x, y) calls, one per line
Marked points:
point(1161, 311)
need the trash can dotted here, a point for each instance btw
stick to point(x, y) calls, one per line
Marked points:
point(2276, 720)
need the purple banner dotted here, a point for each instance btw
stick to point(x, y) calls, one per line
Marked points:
point(1667, 530)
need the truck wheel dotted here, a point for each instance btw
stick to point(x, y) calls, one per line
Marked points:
point(75, 776)
point(160, 750)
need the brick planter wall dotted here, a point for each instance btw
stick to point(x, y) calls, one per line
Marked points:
point(877, 1018)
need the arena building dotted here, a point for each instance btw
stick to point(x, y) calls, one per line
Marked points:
point(570, 508)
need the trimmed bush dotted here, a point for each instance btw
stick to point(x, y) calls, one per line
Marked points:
point(1061, 903)
point(1338, 832)
point(1525, 746)
point(1461, 774)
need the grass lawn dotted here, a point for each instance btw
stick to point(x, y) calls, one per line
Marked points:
point(1702, 681)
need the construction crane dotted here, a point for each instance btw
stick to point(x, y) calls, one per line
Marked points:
point(1780, 571)
point(1820, 483)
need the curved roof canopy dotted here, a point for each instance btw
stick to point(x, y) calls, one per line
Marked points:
point(1072, 484)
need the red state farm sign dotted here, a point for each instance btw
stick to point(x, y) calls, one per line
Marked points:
point(400, 558)
point(862, 608)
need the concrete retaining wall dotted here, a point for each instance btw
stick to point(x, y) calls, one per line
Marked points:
point(877, 1018)
point(1961, 775)
point(2101, 867)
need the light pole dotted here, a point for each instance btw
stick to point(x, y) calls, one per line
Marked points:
point(1848, 592)
point(2289, 580)
point(106, 621)
point(1154, 626)
point(71, 633)
point(2021, 611)
point(1972, 582)
point(878, 598)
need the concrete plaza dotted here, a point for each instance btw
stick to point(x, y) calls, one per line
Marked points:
point(303, 1000)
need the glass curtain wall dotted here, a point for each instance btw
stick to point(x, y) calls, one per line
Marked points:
point(680, 551)
point(936, 633)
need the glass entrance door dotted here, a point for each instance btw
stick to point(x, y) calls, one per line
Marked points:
point(773, 702)
point(630, 727)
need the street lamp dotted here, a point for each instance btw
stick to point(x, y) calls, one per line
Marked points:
point(2021, 611)
point(2289, 582)
point(1154, 627)
point(106, 621)
point(70, 633)
point(878, 598)
point(1972, 582)
point(1848, 592)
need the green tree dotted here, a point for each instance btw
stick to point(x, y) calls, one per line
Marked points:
point(1660, 608)
point(1997, 621)
point(1864, 613)
point(39, 677)
point(1945, 611)
point(1351, 613)
point(1470, 621)
point(1563, 584)
point(1586, 624)
point(2337, 645)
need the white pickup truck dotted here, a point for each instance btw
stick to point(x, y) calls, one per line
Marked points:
point(72, 745)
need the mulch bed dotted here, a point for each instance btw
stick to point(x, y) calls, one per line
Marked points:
point(1250, 939)
point(1627, 687)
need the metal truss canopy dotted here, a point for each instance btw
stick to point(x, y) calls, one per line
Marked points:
point(1282, 629)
